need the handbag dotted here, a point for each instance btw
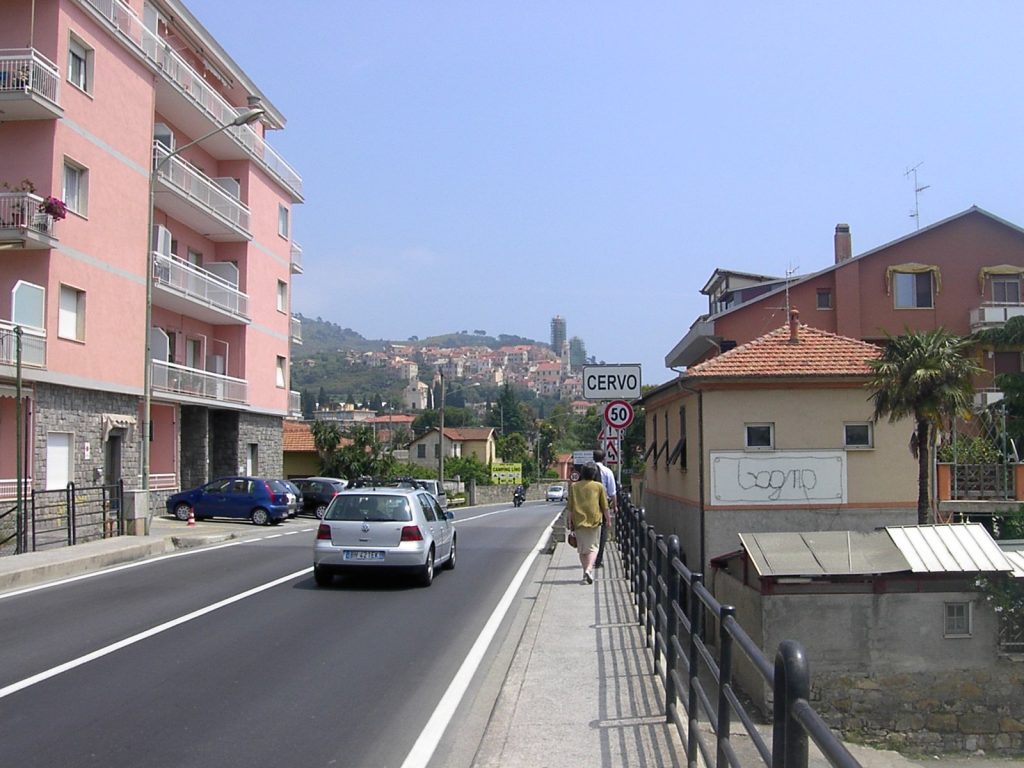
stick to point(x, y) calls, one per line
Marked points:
point(570, 539)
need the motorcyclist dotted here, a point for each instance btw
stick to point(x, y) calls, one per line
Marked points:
point(519, 495)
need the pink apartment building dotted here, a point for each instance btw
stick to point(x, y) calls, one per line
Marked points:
point(95, 95)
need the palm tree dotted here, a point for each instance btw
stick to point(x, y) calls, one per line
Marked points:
point(927, 376)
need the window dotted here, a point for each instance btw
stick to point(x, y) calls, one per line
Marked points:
point(280, 371)
point(28, 300)
point(194, 353)
point(913, 290)
point(679, 452)
point(857, 435)
point(421, 451)
point(76, 188)
point(282, 221)
point(282, 296)
point(957, 620)
point(71, 314)
point(194, 257)
point(824, 298)
point(80, 60)
point(760, 436)
point(1006, 291)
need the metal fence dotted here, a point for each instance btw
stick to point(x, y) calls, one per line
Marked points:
point(674, 607)
point(62, 518)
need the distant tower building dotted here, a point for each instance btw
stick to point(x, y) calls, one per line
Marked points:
point(557, 333)
point(577, 353)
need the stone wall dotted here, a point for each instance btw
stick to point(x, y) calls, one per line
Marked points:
point(946, 710)
point(268, 433)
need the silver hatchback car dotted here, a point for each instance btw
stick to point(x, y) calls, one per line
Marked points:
point(369, 529)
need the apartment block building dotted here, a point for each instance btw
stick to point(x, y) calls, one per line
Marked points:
point(173, 238)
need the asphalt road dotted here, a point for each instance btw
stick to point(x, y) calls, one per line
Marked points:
point(231, 656)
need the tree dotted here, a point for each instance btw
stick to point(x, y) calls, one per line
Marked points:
point(513, 449)
point(926, 376)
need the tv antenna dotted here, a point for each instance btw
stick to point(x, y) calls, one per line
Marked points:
point(789, 273)
point(918, 189)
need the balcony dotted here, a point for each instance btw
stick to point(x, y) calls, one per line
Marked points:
point(33, 346)
point(296, 258)
point(295, 404)
point(192, 383)
point(296, 330)
point(184, 96)
point(29, 86)
point(193, 291)
point(992, 315)
point(22, 226)
point(196, 200)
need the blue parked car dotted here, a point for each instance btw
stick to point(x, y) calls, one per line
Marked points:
point(248, 498)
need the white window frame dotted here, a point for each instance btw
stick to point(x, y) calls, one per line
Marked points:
point(282, 296)
point(951, 625)
point(76, 196)
point(854, 446)
point(81, 58)
point(36, 308)
point(282, 220)
point(280, 369)
point(759, 425)
point(195, 356)
point(71, 313)
point(914, 277)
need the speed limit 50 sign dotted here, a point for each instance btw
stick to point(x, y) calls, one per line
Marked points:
point(618, 414)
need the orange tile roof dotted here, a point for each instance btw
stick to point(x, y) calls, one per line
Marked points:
point(298, 437)
point(814, 353)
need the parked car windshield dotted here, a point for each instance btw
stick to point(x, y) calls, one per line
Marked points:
point(376, 508)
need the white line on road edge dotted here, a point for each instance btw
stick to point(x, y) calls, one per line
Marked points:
point(69, 665)
point(421, 752)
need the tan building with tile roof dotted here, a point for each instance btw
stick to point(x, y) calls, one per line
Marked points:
point(774, 435)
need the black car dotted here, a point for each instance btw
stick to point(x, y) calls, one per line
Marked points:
point(318, 492)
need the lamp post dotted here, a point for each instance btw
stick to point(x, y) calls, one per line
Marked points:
point(250, 115)
point(440, 437)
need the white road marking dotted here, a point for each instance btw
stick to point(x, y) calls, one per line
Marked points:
point(421, 752)
point(69, 665)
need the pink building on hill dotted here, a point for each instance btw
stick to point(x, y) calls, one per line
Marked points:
point(105, 98)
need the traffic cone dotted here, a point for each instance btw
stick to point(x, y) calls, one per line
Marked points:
point(191, 518)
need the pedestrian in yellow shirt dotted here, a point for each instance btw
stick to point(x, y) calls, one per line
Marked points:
point(587, 512)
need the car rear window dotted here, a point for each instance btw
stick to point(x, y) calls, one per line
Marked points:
point(376, 508)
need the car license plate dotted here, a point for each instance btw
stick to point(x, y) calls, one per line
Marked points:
point(367, 554)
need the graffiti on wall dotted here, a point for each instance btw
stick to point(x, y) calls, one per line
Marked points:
point(781, 477)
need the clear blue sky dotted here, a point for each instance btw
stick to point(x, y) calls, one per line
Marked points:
point(484, 165)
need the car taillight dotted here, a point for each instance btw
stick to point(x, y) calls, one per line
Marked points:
point(323, 533)
point(411, 533)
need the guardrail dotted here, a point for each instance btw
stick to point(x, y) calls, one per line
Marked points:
point(672, 606)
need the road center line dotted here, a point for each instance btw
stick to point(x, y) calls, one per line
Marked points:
point(421, 752)
point(101, 652)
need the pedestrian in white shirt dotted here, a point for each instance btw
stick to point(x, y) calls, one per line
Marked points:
point(608, 481)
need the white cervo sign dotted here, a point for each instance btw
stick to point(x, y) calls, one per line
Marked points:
point(611, 382)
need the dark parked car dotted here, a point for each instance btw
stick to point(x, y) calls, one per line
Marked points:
point(247, 498)
point(294, 493)
point(318, 492)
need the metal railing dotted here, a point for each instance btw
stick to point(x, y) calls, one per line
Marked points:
point(672, 606)
point(199, 285)
point(20, 210)
point(182, 380)
point(64, 517)
point(296, 330)
point(192, 86)
point(294, 403)
point(163, 481)
point(201, 190)
point(296, 258)
point(33, 345)
point(992, 314)
point(26, 70)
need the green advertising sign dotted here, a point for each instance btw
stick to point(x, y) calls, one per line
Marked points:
point(506, 474)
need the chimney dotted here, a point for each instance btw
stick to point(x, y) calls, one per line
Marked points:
point(844, 245)
point(794, 326)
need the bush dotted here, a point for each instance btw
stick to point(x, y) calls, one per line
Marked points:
point(970, 450)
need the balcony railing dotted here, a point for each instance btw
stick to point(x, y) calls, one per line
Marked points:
point(294, 403)
point(991, 314)
point(163, 481)
point(296, 330)
point(201, 190)
point(9, 488)
point(192, 86)
point(26, 72)
point(296, 258)
point(182, 380)
point(22, 223)
point(33, 346)
point(197, 284)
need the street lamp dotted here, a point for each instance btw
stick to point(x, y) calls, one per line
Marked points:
point(250, 115)
point(440, 437)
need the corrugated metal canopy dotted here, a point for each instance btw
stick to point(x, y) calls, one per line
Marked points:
point(1015, 555)
point(821, 553)
point(959, 547)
